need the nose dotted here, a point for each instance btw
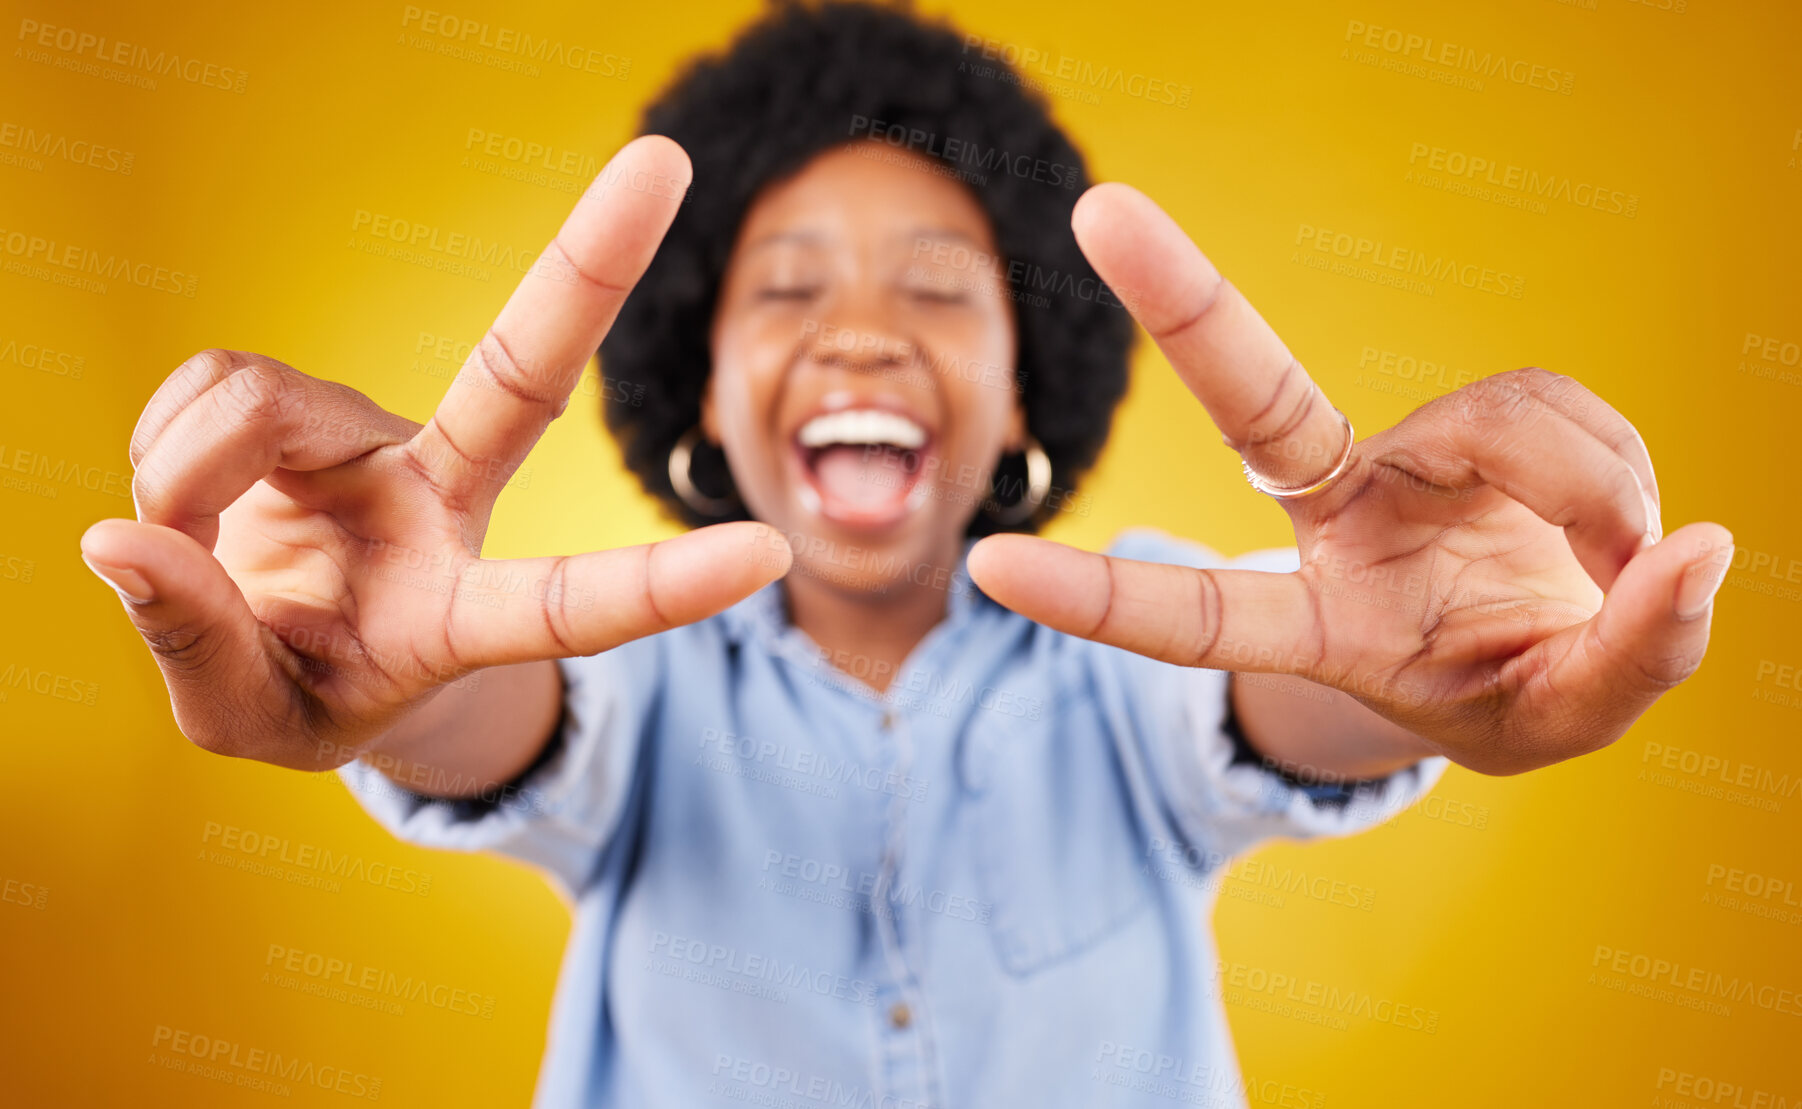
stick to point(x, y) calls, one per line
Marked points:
point(857, 336)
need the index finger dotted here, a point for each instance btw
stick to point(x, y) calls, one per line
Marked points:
point(1262, 400)
point(519, 376)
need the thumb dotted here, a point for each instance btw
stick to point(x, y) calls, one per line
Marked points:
point(222, 681)
point(569, 606)
point(1650, 634)
point(1653, 626)
point(1243, 620)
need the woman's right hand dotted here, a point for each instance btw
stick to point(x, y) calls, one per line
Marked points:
point(306, 567)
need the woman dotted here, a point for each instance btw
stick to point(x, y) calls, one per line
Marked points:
point(838, 825)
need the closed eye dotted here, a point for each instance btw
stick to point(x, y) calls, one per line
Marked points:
point(789, 292)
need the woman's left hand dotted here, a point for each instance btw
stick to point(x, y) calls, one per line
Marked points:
point(1452, 575)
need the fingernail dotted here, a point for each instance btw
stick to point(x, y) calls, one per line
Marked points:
point(1654, 528)
point(1696, 590)
point(128, 582)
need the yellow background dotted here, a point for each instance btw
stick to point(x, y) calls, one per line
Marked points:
point(1697, 113)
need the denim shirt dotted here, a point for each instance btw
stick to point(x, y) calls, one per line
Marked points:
point(990, 886)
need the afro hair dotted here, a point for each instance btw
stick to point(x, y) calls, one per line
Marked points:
point(804, 79)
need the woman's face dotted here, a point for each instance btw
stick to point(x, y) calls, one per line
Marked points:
point(863, 366)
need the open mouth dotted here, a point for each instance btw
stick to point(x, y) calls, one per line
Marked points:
point(863, 465)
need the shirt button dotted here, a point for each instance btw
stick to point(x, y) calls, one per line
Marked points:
point(900, 1015)
point(888, 719)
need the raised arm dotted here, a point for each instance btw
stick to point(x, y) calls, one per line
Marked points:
point(306, 567)
point(1488, 580)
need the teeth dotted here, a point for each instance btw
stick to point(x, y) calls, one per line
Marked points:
point(863, 427)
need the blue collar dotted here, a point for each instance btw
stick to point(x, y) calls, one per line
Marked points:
point(762, 618)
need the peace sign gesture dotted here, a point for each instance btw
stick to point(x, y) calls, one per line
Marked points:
point(1452, 567)
point(306, 566)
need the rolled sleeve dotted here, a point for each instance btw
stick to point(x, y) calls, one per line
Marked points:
point(560, 814)
point(1232, 803)
point(1220, 798)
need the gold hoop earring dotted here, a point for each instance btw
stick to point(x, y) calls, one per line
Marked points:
point(1038, 487)
point(681, 458)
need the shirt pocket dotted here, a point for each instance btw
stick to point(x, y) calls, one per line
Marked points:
point(1057, 845)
